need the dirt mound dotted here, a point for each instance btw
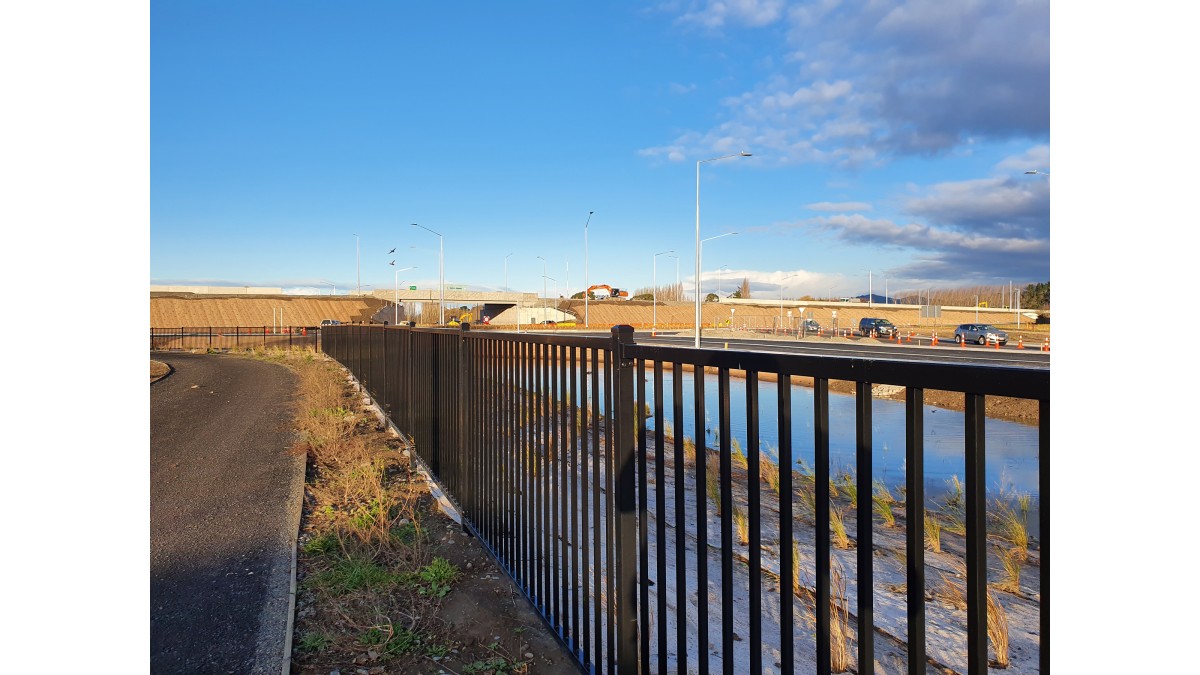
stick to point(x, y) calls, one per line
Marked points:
point(188, 310)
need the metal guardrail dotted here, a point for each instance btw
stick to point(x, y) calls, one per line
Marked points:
point(546, 443)
point(235, 337)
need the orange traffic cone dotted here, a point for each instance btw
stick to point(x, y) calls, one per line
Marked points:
point(1046, 345)
point(935, 338)
point(1021, 342)
point(963, 341)
point(997, 344)
point(909, 337)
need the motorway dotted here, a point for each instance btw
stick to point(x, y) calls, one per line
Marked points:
point(854, 348)
point(871, 348)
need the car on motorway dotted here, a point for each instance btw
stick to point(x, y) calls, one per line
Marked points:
point(811, 326)
point(330, 322)
point(880, 327)
point(980, 333)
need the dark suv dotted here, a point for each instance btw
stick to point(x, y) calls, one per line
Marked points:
point(880, 327)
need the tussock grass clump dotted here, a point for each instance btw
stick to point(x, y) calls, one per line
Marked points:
point(848, 485)
point(883, 508)
point(768, 470)
point(739, 457)
point(882, 501)
point(997, 630)
point(837, 525)
point(1011, 561)
point(933, 533)
point(741, 525)
point(839, 621)
point(1011, 525)
point(712, 486)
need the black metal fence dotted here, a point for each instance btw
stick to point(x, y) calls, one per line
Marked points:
point(235, 337)
point(590, 495)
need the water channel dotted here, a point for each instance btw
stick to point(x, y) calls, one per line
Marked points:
point(1011, 449)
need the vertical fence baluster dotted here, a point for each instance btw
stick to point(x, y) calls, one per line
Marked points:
point(753, 506)
point(914, 510)
point(624, 501)
point(726, 513)
point(679, 441)
point(977, 643)
point(821, 489)
point(786, 577)
point(660, 527)
point(866, 553)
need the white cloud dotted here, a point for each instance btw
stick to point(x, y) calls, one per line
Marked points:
point(717, 13)
point(863, 80)
point(838, 206)
point(676, 88)
point(1037, 157)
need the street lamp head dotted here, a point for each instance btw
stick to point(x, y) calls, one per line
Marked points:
point(1030, 172)
point(744, 154)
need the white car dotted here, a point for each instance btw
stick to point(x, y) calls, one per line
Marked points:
point(980, 333)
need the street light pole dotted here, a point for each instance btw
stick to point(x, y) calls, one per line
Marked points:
point(711, 159)
point(396, 295)
point(677, 286)
point(441, 276)
point(585, 269)
point(543, 287)
point(654, 261)
point(506, 272)
point(781, 297)
point(699, 256)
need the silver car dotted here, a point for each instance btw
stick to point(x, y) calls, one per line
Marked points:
point(980, 333)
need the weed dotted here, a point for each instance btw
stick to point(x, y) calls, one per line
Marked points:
point(351, 574)
point(496, 666)
point(439, 575)
point(323, 544)
point(314, 641)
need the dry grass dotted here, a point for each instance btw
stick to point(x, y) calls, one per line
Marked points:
point(933, 533)
point(741, 525)
point(839, 621)
point(997, 630)
point(369, 574)
point(837, 526)
point(768, 470)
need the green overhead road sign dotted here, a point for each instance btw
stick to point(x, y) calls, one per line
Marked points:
point(412, 288)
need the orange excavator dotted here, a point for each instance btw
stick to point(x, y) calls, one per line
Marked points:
point(603, 291)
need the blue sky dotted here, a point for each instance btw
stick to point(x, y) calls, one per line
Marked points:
point(889, 143)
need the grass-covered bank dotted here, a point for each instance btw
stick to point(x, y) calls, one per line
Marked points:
point(386, 582)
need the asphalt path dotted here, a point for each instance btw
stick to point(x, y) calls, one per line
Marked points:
point(224, 510)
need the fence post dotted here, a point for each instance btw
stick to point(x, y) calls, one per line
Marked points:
point(465, 465)
point(625, 524)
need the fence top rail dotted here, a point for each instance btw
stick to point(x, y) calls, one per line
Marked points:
point(1011, 381)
